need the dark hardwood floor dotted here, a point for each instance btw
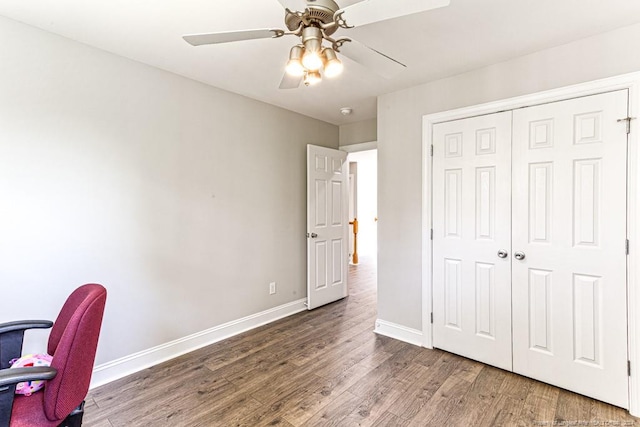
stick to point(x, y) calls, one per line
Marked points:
point(327, 367)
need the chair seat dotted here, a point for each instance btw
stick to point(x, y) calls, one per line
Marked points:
point(28, 411)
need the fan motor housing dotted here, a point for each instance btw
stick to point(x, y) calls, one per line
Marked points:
point(319, 11)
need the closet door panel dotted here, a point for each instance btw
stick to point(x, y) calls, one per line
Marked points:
point(569, 221)
point(472, 223)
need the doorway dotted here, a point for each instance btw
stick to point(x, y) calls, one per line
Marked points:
point(363, 203)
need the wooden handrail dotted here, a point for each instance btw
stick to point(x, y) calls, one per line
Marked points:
point(354, 259)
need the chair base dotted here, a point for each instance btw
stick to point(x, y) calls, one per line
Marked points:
point(75, 418)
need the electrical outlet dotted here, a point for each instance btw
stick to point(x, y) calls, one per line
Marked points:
point(272, 288)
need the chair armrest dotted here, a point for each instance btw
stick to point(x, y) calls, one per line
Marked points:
point(9, 378)
point(17, 375)
point(12, 335)
point(22, 325)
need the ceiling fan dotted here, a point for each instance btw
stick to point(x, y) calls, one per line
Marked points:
point(315, 22)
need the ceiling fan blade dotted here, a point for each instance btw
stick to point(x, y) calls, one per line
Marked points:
point(370, 11)
point(290, 82)
point(294, 5)
point(228, 36)
point(380, 63)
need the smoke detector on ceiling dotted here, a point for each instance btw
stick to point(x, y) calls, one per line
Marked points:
point(346, 111)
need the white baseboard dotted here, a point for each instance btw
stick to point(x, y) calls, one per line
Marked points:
point(399, 332)
point(111, 371)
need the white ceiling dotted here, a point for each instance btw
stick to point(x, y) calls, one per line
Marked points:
point(467, 35)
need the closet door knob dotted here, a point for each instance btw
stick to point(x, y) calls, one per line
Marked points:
point(519, 256)
point(502, 253)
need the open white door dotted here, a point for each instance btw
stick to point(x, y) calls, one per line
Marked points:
point(327, 225)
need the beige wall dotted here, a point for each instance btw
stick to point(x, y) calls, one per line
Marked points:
point(400, 146)
point(184, 200)
point(358, 132)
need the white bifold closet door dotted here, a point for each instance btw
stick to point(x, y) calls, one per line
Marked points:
point(545, 185)
point(569, 219)
point(472, 224)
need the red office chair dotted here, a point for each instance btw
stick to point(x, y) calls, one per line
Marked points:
point(72, 343)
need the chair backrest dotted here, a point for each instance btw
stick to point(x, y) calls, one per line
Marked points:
point(72, 343)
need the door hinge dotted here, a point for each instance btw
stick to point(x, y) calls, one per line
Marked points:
point(432, 234)
point(432, 318)
point(628, 120)
point(627, 246)
point(629, 367)
point(432, 150)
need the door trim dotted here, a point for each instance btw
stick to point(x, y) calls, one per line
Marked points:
point(363, 146)
point(627, 81)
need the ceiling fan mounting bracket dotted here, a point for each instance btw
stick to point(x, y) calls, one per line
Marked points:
point(340, 21)
point(338, 43)
point(319, 13)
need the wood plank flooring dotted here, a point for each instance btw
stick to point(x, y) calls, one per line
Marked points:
point(327, 368)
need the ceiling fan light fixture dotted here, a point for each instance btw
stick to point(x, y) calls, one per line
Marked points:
point(294, 65)
point(312, 41)
point(312, 61)
point(314, 22)
point(312, 78)
point(333, 66)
